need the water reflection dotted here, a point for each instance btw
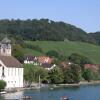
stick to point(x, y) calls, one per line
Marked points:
point(11, 96)
point(86, 92)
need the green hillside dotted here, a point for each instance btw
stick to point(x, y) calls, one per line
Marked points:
point(67, 48)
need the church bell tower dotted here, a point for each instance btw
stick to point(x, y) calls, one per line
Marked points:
point(5, 47)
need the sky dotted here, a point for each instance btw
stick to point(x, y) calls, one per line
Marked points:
point(84, 14)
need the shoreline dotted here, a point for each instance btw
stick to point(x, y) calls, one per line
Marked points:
point(64, 85)
point(58, 86)
point(78, 84)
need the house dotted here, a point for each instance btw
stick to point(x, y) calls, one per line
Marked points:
point(44, 59)
point(48, 66)
point(94, 67)
point(11, 70)
point(64, 65)
point(29, 59)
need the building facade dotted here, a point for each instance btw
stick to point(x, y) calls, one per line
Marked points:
point(11, 70)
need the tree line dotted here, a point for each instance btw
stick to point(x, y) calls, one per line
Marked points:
point(58, 75)
point(43, 29)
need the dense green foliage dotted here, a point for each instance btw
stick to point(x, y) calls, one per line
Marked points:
point(53, 53)
point(18, 52)
point(56, 75)
point(2, 85)
point(96, 36)
point(43, 29)
point(79, 59)
point(72, 74)
point(87, 74)
point(32, 73)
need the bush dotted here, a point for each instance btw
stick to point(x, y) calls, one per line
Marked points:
point(87, 74)
point(53, 53)
point(2, 84)
point(79, 59)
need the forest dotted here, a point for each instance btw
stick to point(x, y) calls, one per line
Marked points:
point(45, 29)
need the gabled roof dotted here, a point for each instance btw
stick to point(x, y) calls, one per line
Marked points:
point(30, 58)
point(45, 59)
point(46, 65)
point(10, 61)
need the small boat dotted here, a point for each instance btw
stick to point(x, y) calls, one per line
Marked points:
point(64, 98)
point(26, 98)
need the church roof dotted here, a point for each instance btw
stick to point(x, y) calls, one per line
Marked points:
point(10, 61)
point(6, 40)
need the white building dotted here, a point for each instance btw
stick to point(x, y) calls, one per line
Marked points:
point(11, 70)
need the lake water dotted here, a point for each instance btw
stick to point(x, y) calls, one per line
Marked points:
point(87, 92)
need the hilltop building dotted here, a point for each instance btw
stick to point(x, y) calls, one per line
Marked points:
point(11, 70)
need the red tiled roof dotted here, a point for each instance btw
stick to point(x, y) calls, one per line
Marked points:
point(44, 59)
point(92, 66)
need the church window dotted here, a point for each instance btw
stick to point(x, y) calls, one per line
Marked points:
point(3, 72)
point(3, 50)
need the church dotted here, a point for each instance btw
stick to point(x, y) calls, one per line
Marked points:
point(11, 70)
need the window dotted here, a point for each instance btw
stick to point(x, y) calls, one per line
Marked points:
point(3, 75)
point(3, 50)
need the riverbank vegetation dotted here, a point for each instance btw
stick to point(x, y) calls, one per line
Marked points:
point(73, 74)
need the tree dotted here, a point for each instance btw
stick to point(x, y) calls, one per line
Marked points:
point(32, 73)
point(87, 75)
point(53, 53)
point(2, 85)
point(79, 59)
point(43, 29)
point(72, 74)
point(56, 75)
point(17, 52)
point(28, 74)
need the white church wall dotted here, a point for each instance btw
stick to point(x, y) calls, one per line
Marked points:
point(13, 76)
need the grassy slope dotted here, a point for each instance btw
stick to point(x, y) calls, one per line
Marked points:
point(67, 48)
